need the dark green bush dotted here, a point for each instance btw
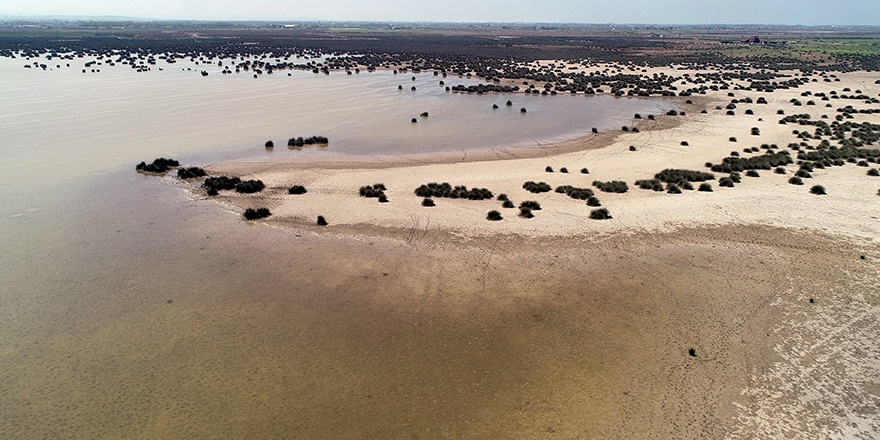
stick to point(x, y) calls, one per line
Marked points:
point(585, 171)
point(502, 197)
point(575, 193)
point(458, 192)
point(873, 172)
point(270, 144)
point(563, 170)
point(726, 181)
point(249, 186)
point(375, 191)
point(525, 213)
point(531, 205)
point(593, 201)
point(796, 181)
point(819, 190)
point(652, 184)
point(615, 186)
point(548, 169)
point(536, 188)
point(735, 177)
point(428, 202)
point(507, 204)
point(159, 165)
point(779, 170)
point(600, 214)
point(297, 190)
point(752, 173)
point(191, 173)
point(221, 183)
point(705, 187)
point(672, 188)
point(321, 221)
point(493, 215)
point(255, 214)
point(676, 176)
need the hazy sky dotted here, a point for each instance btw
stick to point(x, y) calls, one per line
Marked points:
point(806, 12)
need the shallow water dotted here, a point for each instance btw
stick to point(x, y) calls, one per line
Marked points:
point(266, 333)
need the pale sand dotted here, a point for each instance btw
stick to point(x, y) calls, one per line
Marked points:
point(851, 208)
point(615, 304)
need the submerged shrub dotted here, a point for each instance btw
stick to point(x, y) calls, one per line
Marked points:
point(158, 166)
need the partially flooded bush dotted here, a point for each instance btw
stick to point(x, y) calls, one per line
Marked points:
point(190, 173)
point(256, 214)
point(158, 166)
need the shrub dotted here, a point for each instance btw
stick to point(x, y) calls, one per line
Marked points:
point(677, 175)
point(383, 199)
point(493, 215)
point(502, 197)
point(818, 190)
point(221, 183)
point(585, 171)
point(765, 161)
point(616, 186)
point(270, 144)
point(531, 205)
point(803, 173)
point(705, 187)
point(684, 143)
point(158, 166)
point(672, 188)
point(796, 181)
point(321, 221)
point(446, 190)
point(536, 188)
point(191, 173)
point(525, 213)
point(873, 172)
point(600, 214)
point(752, 173)
point(428, 202)
point(686, 186)
point(249, 186)
point(593, 201)
point(779, 170)
point(375, 191)
point(756, 131)
point(726, 181)
point(256, 214)
point(732, 139)
point(563, 170)
point(632, 148)
point(652, 184)
point(735, 177)
point(507, 204)
point(297, 190)
point(575, 193)
point(549, 169)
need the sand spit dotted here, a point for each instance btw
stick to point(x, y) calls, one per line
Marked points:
point(773, 287)
point(683, 142)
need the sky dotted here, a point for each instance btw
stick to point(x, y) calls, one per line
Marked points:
point(791, 12)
